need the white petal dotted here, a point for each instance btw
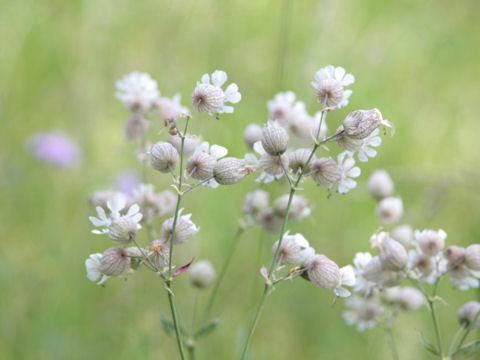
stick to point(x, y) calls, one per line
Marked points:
point(258, 147)
point(341, 292)
point(219, 77)
point(348, 80)
point(355, 172)
point(348, 275)
point(226, 109)
point(218, 151)
point(133, 210)
point(339, 73)
point(137, 217)
point(98, 232)
point(96, 222)
point(205, 79)
point(101, 213)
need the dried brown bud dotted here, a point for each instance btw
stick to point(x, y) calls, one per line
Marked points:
point(158, 251)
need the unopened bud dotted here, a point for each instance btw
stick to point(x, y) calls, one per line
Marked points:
point(122, 230)
point(231, 170)
point(346, 142)
point(326, 172)
point(455, 255)
point(270, 221)
point(431, 242)
point(255, 202)
point(200, 166)
point(472, 257)
point(114, 261)
point(190, 144)
point(135, 128)
point(298, 158)
point(380, 185)
point(252, 134)
point(164, 157)
point(390, 210)
point(322, 271)
point(274, 138)
point(403, 234)
point(392, 254)
point(467, 314)
point(201, 274)
point(360, 124)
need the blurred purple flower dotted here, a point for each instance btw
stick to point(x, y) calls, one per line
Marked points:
point(55, 148)
point(127, 181)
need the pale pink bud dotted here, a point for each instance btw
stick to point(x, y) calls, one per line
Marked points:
point(431, 242)
point(123, 230)
point(322, 272)
point(455, 255)
point(252, 134)
point(231, 170)
point(163, 157)
point(274, 138)
point(114, 261)
point(472, 257)
point(360, 124)
point(208, 98)
point(390, 210)
point(200, 166)
point(467, 314)
point(201, 274)
point(325, 172)
point(380, 185)
point(392, 254)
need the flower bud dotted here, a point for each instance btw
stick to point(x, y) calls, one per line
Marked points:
point(207, 98)
point(460, 276)
point(270, 221)
point(325, 172)
point(322, 271)
point(380, 185)
point(472, 257)
point(423, 264)
point(392, 254)
point(184, 228)
point(163, 157)
point(252, 134)
point(231, 170)
point(455, 256)
point(201, 274)
point(190, 143)
point(274, 138)
point(408, 298)
point(114, 261)
point(273, 165)
point(135, 128)
point(294, 249)
point(390, 210)
point(467, 314)
point(200, 165)
point(255, 202)
point(374, 271)
point(298, 158)
point(431, 242)
point(122, 230)
point(346, 142)
point(360, 124)
point(158, 251)
point(299, 208)
point(403, 234)
point(332, 89)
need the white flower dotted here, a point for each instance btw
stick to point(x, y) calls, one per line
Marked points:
point(331, 81)
point(426, 267)
point(92, 264)
point(363, 312)
point(464, 277)
point(268, 165)
point(116, 204)
point(347, 163)
point(170, 108)
point(211, 98)
point(294, 249)
point(360, 261)
point(365, 151)
point(347, 277)
point(284, 109)
point(137, 91)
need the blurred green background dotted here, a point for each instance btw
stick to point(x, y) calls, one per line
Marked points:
point(415, 60)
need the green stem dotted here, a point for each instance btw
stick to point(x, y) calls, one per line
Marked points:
point(454, 341)
point(293, 188)
point(391, 342)
point(168, 282)
point(469, 328)
point(431, 303)
point(221, 275)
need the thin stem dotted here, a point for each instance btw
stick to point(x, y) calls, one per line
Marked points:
point(431, 303)
point(293, 188)
point(168, 282)
point(194, 312)
point(454, 341)
point(198, 184)
point(221, 275)
point(391, 343)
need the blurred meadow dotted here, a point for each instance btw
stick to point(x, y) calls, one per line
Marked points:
point(415, 60)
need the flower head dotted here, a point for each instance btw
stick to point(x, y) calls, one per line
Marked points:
point(203, 161)
point(92, 265)
point(201, 274)
point(363, 312)
point(170, 109)
point(294, 249)
point(184, 228)
point(283, 108)
point(349, 170)
point(210, 98)
point(138, 91)
point(329, 84)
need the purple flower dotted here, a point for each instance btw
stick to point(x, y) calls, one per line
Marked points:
point(127, 181)
point(55, 148)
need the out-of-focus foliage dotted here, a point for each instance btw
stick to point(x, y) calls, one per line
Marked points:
point(415, 60)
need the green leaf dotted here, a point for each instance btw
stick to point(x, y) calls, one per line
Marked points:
point(428, 345)
point(207, 329)
point(468, 349)
point(168, 326)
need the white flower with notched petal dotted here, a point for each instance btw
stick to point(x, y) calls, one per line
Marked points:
point(138, 91)
point(283, 108)
point(329, 83)
point(210, 98)
point(116, 222)
point(92, 264)
point(270, 167)
point(347, 278)
point(349, 170)
point(365, 151)
point(362, 285)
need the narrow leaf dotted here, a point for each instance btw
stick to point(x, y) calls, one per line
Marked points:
point(207, 329)
point(428, 345)
point(182, 269)
point(468, 349)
